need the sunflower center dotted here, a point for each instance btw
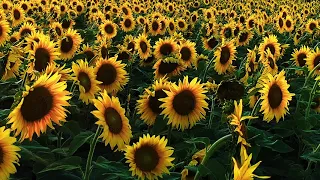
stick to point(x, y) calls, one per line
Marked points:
point(228, 32)
point(37, 104)
point(143, 46)
point(123, 56)
point(271, 62)
point(171, 26)
point(89, 54)
point(236, 31)
point(130, 46)
point(275, 96)
point(104, 52)
point(166, 68)
point(58, 31)
point(302, 59)
point(166, 49)
point(42, 58)
point(224, 55)
point(66, 24)
point(184, 102)
point(5, 6)
point(185, 53)
point(181, 24)
point(243, 37)
point(13, 39)
point(84, 81)
point(154, 102)
point(25, 32)
point(79, 8)
point(146, 158)
point(113, 120)
point(212, 42)
point(149, 59)
point(271, 47)
point(312, 26)
point(288, 23)
point(280, 23)
point(242, 19)
point(316, 61)
point(251, 67)
point(155, 26)
point(127, 23)
point(251, 23)
point(107, 74)
point(67, 44)
point(109, 29)
point(16, 14)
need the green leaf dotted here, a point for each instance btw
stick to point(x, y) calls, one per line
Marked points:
point(203, 140)
point(312, 156)
point(78, 141)
point(32, 150)
point(203, 170)
point(104, 168)
point(66, 164)
point(71, 127)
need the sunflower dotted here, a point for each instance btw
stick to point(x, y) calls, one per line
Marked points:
point(154, 27)
point(243, 170)
point(187, 53)
point(251, 65)
point(250, 22)
point(112, 74)
point(313, 59)
point(199, 59)
point(26, 29)
point(6, 5)
point(181, 25)
point(61, 70)
point(289, 24)
point(311, 25)
point(56, 29)
point(244, 38)
point(103, 49)
point(185, 104)
point(275, 96)
point(11, 65)
point(150, 157)
point(84, 76)
point(69, 44)
point(225, 54)
point(4, 31)
point(237, 121)
point(128, 23)
point(88, 52)
point(270, 42)
point(171, 26)
point(9, 155)
point(125, 55)
point(166, 47)
point(167, 67)
point(129, 43)
point(17, 15)
point(149, 105)
point(108, 29)
point(270, 63)
point(300, 56)
point(143, 46)
point(43, 54)
point(210, 43)
point(227, 30)
point(35, 37)
point(41, 104)
point(111, 116)
point(67, 24)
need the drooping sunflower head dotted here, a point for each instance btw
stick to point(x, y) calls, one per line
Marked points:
point(69, 44)
point(112, 74)
point(164, 48)
point(275, 96)
point(185, 104)
point(150, 157)
point(111, 116)
point(41, 105)
point(225, 54)
point(149, 104)
point(85, 77)
point(313, 60)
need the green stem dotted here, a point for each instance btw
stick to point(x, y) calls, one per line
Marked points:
point(208, 66)
point(253, 112)
point(310, 162)
point(211, 112)
point(90, 155)
point(215, 146)
point(311, 97)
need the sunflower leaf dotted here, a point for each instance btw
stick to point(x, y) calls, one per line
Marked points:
point(78, 141)
point(203, 140)
point(66, 164)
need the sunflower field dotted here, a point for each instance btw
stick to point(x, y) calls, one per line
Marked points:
point(159, 89)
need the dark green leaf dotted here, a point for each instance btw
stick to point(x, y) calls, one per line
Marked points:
point(78, 141)
point(65, 164)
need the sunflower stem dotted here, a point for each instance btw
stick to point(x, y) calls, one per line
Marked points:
point(90, 155)
point(253, 112)
point(208, 66)
point(215, 146)
point(311, 97)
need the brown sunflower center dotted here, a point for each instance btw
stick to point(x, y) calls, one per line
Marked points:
point(154, 102)
point(251, 67)
point(13, 39)
point(275, 96)
point(236, 31)
point(243, 37)
point(271, 62)
point(316, 61)
point(79, 8)
point(224, 55)
point(16, 14)
point(104, 52)
point(25, 32)
point(271, 47)
point(5, 6)
point(37, 104)
point(312, 26)
point(166, 68)
point(149, 60)
point(155, 26)
point(251, 23)
point(113, 120)
point(146, 158)
point(212, 42)
point(166, 49)
point(184, 102)
point(42, 58)
point(185, 53)
point(288, 23)
point(66, 24)
point(107, 74)
point(171, 26)
point(123, 56)
point(228, 32)
point(66, 44)
point(143, 46)
point(280, 23)
point(109, 29)
point(181, 24)
point(125, 11)
point(130, 46)
point(85, 81)
point(127, 23)
point(301, 59)
point(242, 19)
point(58, 31)
point(89, 54)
